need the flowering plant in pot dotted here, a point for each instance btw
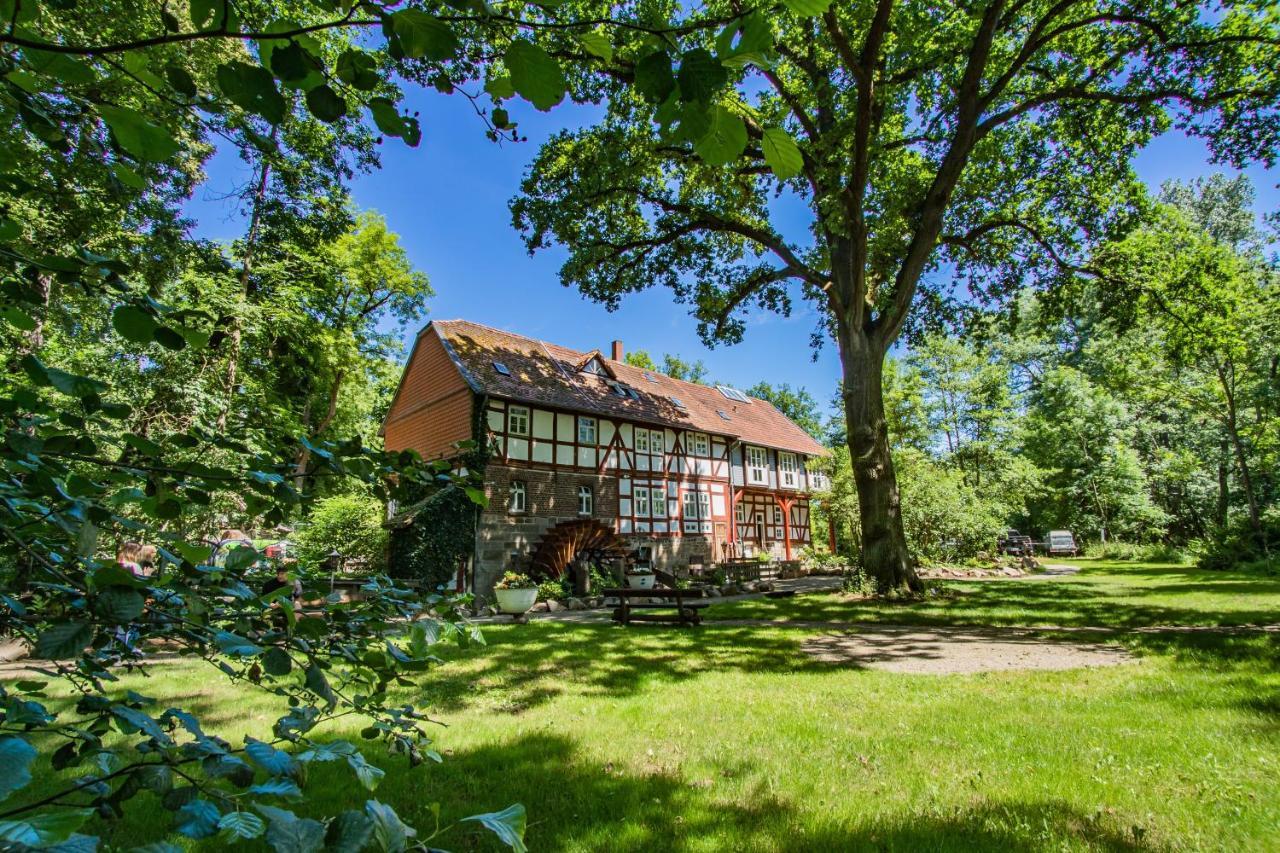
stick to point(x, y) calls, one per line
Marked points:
point(640, 577)
point(515, 592)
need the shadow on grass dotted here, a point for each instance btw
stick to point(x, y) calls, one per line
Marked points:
point(580, 803)
point(534, 663)
point(1079, 602)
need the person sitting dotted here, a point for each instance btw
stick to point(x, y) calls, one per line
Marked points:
point(129, 556)
point(281, 581)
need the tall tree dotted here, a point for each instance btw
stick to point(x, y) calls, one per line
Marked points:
point(936, 146)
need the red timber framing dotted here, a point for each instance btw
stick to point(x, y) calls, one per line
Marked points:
point(671, 482)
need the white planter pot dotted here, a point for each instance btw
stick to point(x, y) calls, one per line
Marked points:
point(516, 600)
point(640, 581)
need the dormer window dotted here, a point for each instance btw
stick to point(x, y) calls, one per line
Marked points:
point(596, 367)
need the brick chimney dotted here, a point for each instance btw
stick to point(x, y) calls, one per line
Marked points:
point(617, 351)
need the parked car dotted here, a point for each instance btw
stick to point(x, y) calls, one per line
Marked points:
point(1015, 544)
point(1060, 542)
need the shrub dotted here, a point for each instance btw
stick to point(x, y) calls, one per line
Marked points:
point(514, 580)
point(349, 524)
point(1154, 552)
point(1238, 546)
point(557, 589)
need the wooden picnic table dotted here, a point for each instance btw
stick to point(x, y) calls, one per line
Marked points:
point(684, 602)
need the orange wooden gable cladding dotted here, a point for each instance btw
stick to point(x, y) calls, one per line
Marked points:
point(433, 407)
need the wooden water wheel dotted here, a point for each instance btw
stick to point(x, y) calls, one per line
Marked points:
point(566, 540)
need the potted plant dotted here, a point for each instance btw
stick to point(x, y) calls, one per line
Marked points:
point(516, 593)
point(640, 577)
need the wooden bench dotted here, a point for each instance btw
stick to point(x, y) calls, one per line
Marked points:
point(684, 602)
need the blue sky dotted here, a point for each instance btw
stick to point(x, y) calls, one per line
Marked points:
point(448, 201)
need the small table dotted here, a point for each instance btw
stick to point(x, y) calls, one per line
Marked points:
point(684, 602)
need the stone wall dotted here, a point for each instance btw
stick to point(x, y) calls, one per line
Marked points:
point(506, 540)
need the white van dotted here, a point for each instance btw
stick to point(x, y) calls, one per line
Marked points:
point(1061, 542)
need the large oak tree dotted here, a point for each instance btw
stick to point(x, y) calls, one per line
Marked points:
point(948, 154)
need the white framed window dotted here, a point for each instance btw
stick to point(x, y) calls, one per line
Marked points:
point(586, 500)
point(642, 501)
point(704, 506)
point(642, 441)
point(691, 505)
point(587, 431)
point(788, 469)
point(757, 465)
point(518, 420)
point(777, 515)
point(657, 442)
point(701, 444)
point(740, 513)
point(659, 502)
point(517, 500)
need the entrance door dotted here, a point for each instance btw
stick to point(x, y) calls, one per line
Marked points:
point(720, 544)
point(760, 529)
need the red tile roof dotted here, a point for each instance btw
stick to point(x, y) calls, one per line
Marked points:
point(547, 374)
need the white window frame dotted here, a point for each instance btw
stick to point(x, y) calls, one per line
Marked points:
point(740, 512)
point(701, 444)
point(518, 496)
point(642, 440)
point(641, 501)
point(658, 501)
point(704, 505)
point(690, 505)
point(587, 426)
point(518, 418)
point(788, 469)
point(777, 516)
point(757, 464)
point(586, 500)
point(658, 442)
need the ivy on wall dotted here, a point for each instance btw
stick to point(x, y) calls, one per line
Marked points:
point(437, 530)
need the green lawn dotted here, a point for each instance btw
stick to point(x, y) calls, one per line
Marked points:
point(1105, 594)
point(730, 738)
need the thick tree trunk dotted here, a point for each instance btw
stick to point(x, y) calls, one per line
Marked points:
point(884, 544)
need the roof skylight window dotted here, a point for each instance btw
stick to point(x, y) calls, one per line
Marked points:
point(723, 415)
point(679, 403)
point(733, 394)
point(501, 368)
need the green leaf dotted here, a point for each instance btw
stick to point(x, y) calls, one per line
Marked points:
point(391, 833)
point(317, 683)
point(60, 66)
point(368, 774)
point(287, 833)
point(18, 318)
point(64, 640)
point(781, 153)
point(349, 832)
point(206, 14)
point(535, 74)
point(387, 117)
point(276, 661)
point(325, 104)
point(45, 829)
point(181, 80)
point(134, 324)
point(16, 756)
point(137, 135)
point(135, 720)
point(277, 788)
point(424, 36)
point(499, 87)
point(240, 826)
point(507, 824)
point(198, 819)
point(807, 8)
point(358, 69)
point(252, 88)
point(725, 139)
point(235, 645)
point(127, 176)
point(654, 78)
point(269, 758)
point(241, 558)
point(68, 383)
point(291, 62)
point(701, 76)
point(120, 605)
point(597, 44)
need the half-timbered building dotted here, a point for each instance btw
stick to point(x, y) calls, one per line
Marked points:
point(589, 452)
